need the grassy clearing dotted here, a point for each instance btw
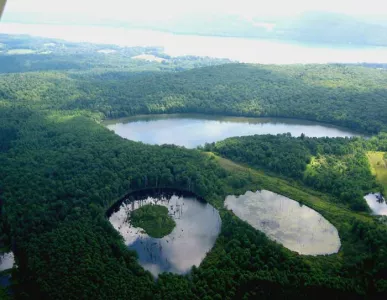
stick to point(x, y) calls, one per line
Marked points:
point(378, 165)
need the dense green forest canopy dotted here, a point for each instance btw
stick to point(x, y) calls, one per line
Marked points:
point(338, 166)
point(349, 96)
point(61, 170)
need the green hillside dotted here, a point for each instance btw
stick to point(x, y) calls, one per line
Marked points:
point(349, 96)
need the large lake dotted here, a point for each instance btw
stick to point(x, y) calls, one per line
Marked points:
point(194, 130)
point(197, 227)
point(237, 49)
point(297, 227)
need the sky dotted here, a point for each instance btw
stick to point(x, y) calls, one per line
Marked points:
point(153, 10)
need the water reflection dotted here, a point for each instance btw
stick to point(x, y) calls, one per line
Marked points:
point(197, 227)
point(6, 261)
point(377, 203)
point(194, 130)
point(297, 227)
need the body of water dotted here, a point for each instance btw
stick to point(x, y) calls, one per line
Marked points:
point(298, 228)
point(377, 204)
point(194, 130)
point(237, 49)
point(6, 261)
point(197, 227)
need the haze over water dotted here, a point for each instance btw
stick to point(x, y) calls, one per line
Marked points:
point(237, 49)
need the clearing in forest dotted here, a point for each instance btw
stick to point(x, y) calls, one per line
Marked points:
point(378, 163)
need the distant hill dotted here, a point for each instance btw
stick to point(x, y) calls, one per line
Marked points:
point(309, 27)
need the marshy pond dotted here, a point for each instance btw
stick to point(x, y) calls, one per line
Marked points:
point(295, 226)
point(191, 130)
point(197, 227)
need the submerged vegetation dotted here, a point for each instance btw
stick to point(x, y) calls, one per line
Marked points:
point(154, 219)
point(61, 169)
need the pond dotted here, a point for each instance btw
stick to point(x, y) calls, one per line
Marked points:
point(295, 226)
point(377, 203)
point(6, 261)
point(195, 130)
point(197, 227)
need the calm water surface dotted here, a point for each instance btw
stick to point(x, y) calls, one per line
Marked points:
point(377, 204)
point(197, 227)
point(194, 130)
point(6, 261)
point(298, 228)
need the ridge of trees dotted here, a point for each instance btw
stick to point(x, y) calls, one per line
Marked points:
point(353, 97)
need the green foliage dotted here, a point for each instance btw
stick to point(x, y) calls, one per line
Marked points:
point(337, 166)
point(60, 55)
point(3, 294)
point(154, 219)
point(378, 163)
point(61, 170)
point(350, 96)
point(61, 173)
point(58, 178)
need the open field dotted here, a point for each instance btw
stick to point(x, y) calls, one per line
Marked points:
point(379, 167)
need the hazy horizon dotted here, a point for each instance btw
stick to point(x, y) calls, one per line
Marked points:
point(252, 31)
point(153, 11)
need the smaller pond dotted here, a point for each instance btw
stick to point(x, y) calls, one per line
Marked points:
point(377, 204)
point(298, 228)
point(197, 227)
point(6, 261)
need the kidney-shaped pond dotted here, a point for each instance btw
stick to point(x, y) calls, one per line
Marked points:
point(297, 227)
point(197, 225)
point(195, 130)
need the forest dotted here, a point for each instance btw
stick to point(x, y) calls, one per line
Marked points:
point(154, 219)
point(337, 166)
point(61, 169)
point(353, 97)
